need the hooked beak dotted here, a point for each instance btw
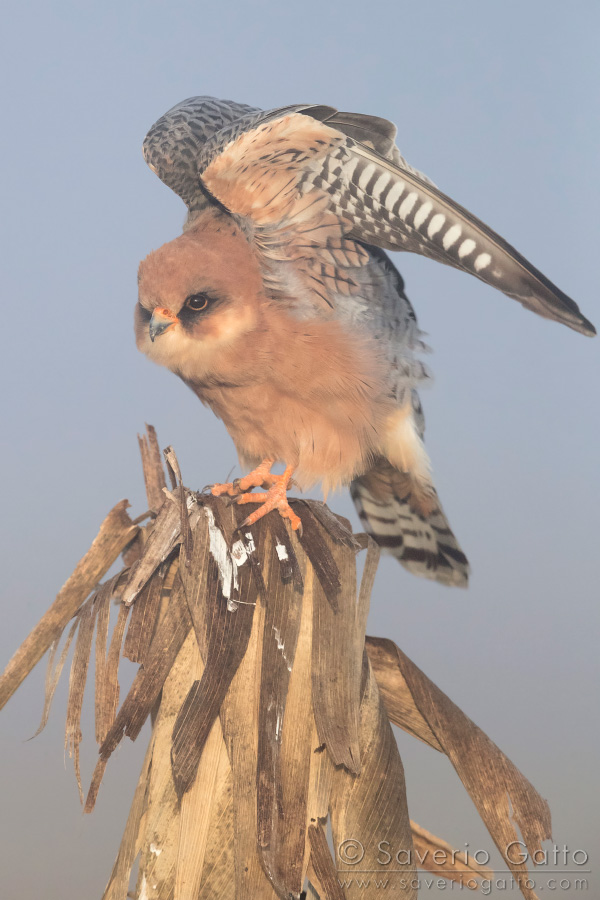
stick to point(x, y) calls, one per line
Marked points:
point(161, 320)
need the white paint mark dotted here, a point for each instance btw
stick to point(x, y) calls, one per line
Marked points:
point(483, 260)
point(239, 553)
point(281, 552)
point(280, 646)
point(395, 193)
point(407, 204)
point(227, 562)
point(156, 850)
point(466, 247)
point(220, 553)
point(250, 545)
point(435, 225)
point(144, 889)
point(451, 236)
point(421, 214)
point(366, 176)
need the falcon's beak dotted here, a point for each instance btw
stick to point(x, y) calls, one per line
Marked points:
point(161, 320)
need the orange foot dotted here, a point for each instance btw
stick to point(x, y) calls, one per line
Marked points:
point(275, 498)
point(259, 477)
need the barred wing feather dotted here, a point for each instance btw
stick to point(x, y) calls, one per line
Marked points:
point(260, 166)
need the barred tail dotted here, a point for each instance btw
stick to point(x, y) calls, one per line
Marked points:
point(408, 524)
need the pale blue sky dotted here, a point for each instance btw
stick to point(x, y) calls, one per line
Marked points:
point(497, 103)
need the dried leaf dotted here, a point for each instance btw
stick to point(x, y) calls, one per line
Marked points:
point(281, 628)
point(103, 600)
point(290, 570)
point(161, 824)
point(335, 672)
point(134, 549)
point(222, 626)
point(321, 775)
point(218, 881)
point(196, 814)
point(201, 576)
point(154, 476)
point(148, 682)
point(97, 776)
point(118, 884)
point(185, 498)
point(288, 852)
point(296, 695)
point(110, 690)
point(399, 702)
point(53, 677)
point(162, 540)
point(317, 550)
point(116, 531)
point(495, 785)
point(144, 615)
point(372, 809)
point(322, 865)
point(360, 669)
point(228, 635)
point(311, 892)
point(77, 680)
point(336, 527)
point(440, 858)
point(239, 718)
point(251, 539)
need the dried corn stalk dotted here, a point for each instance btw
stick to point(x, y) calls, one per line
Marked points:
point(271, 715)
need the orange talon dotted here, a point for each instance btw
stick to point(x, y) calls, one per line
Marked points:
point(259, 477)
point(274, 498)
point(218, 489)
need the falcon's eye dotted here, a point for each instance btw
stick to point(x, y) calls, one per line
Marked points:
point(197, 302)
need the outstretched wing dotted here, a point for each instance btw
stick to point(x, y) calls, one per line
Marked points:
point(173, 145)
point(312, 182)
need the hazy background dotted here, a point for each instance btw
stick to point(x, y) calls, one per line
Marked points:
point(497, 103)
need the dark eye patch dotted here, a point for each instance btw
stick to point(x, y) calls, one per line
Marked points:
point(197, 306)
point(144, 314)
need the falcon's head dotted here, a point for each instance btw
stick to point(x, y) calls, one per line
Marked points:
point(198, 295)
